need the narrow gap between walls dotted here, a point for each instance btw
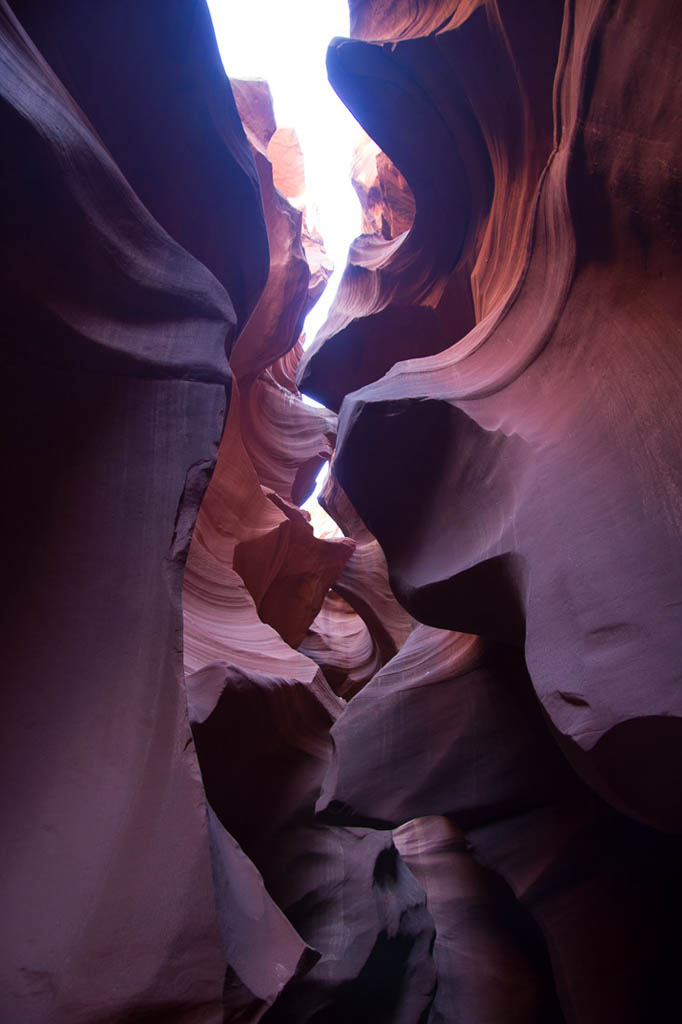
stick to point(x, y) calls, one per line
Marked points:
point(286, 46)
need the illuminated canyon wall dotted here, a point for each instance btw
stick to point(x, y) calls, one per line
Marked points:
point(423, 765)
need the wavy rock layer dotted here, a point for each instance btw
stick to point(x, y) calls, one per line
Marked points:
point(501, 369)
point(425, 768)
point(473, 166)
point(558, 478)
point(266, 645)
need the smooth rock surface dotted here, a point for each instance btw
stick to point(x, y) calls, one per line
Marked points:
point(116, 391)
point(549, 506)
point(421, 766)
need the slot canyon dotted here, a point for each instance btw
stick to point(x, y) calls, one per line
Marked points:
point(414, 757)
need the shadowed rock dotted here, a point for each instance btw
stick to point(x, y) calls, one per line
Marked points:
point(117, 385)
point(551, 495)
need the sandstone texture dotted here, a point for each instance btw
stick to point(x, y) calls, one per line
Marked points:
point(544, 410)
point(514, 462)
point(120, 307)
point(421, 765)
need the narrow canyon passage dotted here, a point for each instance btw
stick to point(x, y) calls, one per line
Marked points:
point(411, 755)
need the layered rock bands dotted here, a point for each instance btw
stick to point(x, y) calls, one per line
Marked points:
point(423, 766)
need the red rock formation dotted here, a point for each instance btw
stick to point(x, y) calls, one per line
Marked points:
point(491, 966)
point(515, 719)
point(263, 745)
point(341, 644)
point(451, 727)
point(406, 19)
point(557, 518)
point(272, 440)
point(521, 483)
point(114, 339)
point(150, 80)
point(255, 580)
point(386, 200)
point(286, 155)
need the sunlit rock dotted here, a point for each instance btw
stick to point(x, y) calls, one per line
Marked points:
point(386, 200)
point(257, 580)
point(522, 480)
point(548, 505)
point(342, 645)
point(422, 765)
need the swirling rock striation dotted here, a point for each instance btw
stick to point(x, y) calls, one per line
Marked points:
point(548, 508)
point(424, 767)
point(501, 371)
point(257, 580)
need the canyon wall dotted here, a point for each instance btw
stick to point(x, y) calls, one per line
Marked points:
point(422, 765)
point(507, 372)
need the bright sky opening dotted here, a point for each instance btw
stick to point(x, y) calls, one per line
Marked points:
point(286, 44)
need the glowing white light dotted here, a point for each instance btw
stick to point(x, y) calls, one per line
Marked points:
point(286, 44)
point(323, 525)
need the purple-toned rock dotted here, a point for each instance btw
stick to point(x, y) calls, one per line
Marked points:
point(116, 391)
point(547, 508)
